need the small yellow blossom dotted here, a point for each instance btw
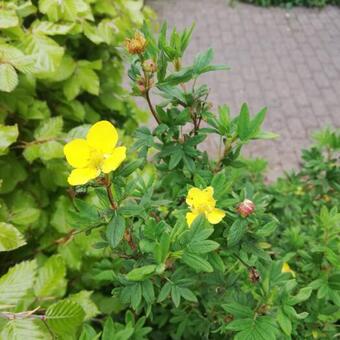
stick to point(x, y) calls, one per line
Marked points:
point(137, 44)
point(95, 154)
point(203, 202)
point(287, 269)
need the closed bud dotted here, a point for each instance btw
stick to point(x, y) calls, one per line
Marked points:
point(149, 66)
point(137, 44)
point(246, 208)
point(253, 275)
point(141, 86)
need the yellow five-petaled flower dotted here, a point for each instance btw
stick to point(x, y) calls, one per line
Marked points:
point(95, 154)
point(203, 202)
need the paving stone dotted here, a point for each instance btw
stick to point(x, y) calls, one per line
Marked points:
point(287, 60)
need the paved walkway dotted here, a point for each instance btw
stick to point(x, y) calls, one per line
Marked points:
point(288, 61)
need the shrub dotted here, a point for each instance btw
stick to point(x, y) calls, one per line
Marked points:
point(307, 203)
point(161, 241)
point(60, 69)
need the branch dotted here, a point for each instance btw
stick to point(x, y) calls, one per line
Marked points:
point(147, 97)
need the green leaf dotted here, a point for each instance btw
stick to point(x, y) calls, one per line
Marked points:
point(50, 128)
point(15, 57)
point(46, 52)
point(238, 310)
point(139, 274)
point(187, 294)
point(202, 60)
point(197, 263)
point(255, 124)
point(175, 295)
point(148, 291)
point(8, 135)
point(334, 281)
point(301, 296)
point(83, 298)
point(8, 18)
point(12, 172)
point(17, 282)
point(51, 282)
point(243, 122)
point(64, 317)
point(267, 229)
point(284, 322)
point(56, 10)
point(202, 247)
point(50, 28)
point(236, 232)
point(10, 237)
point(84, 78)
point(165, 291)
point(108, 329)
point(25, 329)
point(115, 231)
point(8, 78)
point(175, 158)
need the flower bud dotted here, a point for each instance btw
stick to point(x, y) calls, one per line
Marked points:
point(137, 44)
point(141, 86)
point(149, 66)
point(246, 208)
point(253, 275)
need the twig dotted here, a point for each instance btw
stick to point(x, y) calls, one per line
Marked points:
point(109, 192)
point(147, 97)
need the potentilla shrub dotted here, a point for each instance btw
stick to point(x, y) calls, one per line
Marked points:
point(179, 240)
point(60, 69)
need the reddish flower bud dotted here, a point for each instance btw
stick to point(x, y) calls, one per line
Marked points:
point(149, 66)
point(246, 208)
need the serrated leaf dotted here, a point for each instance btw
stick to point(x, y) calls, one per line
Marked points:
point(8, 18)
point(16, 283)
point(50, 28)
point(51, 280)
point(59, 10)
point(15, 57)
point(236, 232)
point(8, 135)
point(10, 237)
point(46, 52)
point(8, 78)
point(25, 329)
point(48, 129)
point(83, 298)
point(115, 231)
point(64, 317)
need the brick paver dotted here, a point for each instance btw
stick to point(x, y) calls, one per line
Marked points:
point(288, 61)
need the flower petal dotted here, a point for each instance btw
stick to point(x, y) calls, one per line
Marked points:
point(115, 160)
point(77, 153)
point(82, 176)
point(215, 216)
point(190, 216)
point(201, 198)
point(102, 136)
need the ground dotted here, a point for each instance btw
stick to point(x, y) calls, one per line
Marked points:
point(286, 60)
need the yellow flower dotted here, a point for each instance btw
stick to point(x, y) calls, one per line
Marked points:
point(95, 154)
point(203, 202)
point(137, 44)
point(287, 269)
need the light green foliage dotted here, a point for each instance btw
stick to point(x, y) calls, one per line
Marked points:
point(10, 237)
